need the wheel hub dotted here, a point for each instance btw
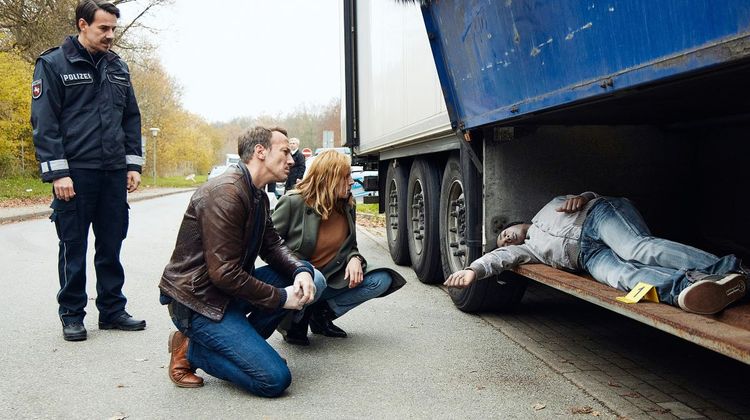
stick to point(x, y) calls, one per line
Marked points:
point(456, 223)
point(393, 209)
point(417, 217)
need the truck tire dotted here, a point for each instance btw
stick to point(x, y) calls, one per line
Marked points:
point(423, 199)
point(395, 212)
point(500, 293)
point(453, 249)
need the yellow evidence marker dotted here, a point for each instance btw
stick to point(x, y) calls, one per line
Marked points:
point(641, 291)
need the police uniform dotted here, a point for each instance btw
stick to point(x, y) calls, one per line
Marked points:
point(87, 126)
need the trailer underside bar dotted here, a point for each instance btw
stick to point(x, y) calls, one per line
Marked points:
point(727, 333)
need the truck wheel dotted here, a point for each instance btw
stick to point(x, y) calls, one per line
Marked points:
point(395, 213)
point(452, 219)
point(500, 293)
point(423, 197)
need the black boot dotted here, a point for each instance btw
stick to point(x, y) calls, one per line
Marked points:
point(321, 321)
point(297, 332)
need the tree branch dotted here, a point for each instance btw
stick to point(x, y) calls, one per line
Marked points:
point(132, 22)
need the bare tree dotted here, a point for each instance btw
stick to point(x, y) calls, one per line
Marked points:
point(29, 27)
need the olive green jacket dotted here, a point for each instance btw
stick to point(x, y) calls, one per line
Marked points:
point(298, 225)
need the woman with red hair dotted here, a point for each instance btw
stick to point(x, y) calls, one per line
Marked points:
point(317, 222)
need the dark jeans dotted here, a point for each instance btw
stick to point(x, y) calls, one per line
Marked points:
point(101, 202)
point(235, 348)
point(345, 299)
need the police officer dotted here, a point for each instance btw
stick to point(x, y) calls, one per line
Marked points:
point(87, 135)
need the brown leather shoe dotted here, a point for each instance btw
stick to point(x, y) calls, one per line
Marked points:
point(179, 368)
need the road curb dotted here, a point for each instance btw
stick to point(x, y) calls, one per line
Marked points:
point(25, 216)
point(38, 214)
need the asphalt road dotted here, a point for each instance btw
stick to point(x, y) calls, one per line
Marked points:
point(410, 355)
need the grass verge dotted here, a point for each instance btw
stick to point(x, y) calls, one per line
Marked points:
point(23, 188)
point(172, 181)
point(21, 191)
point(367, 216)
point(367, 208)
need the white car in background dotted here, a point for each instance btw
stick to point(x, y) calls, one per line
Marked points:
point(217, 170)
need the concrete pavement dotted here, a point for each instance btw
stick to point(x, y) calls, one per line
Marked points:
point(628, 369)
point(409, 355)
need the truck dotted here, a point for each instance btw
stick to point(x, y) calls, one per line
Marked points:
point(476, 113)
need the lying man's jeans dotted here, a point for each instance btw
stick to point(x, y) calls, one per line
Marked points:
point(617, 249)
point(235, 348)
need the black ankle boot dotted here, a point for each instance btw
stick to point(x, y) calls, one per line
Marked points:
point(321, 321)
point(297, 332)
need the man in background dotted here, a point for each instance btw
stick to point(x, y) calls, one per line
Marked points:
point(298, 169)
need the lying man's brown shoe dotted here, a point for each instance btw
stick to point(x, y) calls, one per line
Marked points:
point(712, 294)
point(179, 368)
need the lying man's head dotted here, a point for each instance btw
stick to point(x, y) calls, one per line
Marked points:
point(514, 233)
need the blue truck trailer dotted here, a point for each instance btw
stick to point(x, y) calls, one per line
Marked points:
point(476, 113)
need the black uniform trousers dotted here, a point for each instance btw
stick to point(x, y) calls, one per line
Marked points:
point(101, 202)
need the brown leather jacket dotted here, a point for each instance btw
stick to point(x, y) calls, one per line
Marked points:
point(214, 244)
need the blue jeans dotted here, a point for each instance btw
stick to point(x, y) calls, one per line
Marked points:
point(345, 299)
point(101, 202)
point(617, 249)
point(235, 348)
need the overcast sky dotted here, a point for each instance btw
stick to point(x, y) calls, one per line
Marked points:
point(245, 57)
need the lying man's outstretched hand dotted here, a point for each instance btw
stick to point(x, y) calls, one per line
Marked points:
point(461, 279)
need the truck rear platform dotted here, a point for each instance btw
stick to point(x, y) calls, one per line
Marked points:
point(727, 332)
point(640, 99)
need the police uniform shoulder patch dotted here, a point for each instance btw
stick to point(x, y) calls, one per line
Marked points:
point(36, 88)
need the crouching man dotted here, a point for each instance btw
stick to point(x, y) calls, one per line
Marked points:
point(607, 237)
point(223, 307)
